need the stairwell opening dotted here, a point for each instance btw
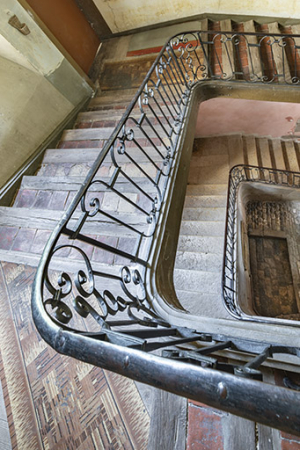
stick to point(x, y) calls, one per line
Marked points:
point(229, 132)
point(268, 257)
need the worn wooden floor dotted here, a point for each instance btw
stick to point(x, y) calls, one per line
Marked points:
point(54, 402)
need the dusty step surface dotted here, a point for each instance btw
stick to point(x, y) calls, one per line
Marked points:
point(47, 219)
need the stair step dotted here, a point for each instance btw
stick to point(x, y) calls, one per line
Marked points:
point(254, 61)
point(47, 219)
point(215, 145)
point(281, 67)
point(206, 189)
point(75, 183)
point(208, 175)
point(210, 214)
point(92, 134)
point(205, 201)
point(201, 244)
point(61, 263)
point(194, 280)
point(203, 304)
point(211, 262)
point(76, 156)
point(115, 115)
point(210, 160)
point(205, 228)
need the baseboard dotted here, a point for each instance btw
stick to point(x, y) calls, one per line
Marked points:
point(8, 191)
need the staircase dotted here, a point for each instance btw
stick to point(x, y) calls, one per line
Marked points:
point(42, 199)
point(199, 257)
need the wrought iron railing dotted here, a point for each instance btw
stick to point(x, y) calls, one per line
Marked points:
point(107, 314)
point(239, 176)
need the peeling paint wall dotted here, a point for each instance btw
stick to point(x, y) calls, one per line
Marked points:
point(38, 89)
point(122, 15)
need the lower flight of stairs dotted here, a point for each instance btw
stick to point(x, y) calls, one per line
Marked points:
point(198, 266)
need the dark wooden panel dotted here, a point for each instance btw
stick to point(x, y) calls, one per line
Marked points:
point(70, 27)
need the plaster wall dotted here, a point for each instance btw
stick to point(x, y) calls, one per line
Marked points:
point(121, 15)
point(221, 116)
point(38, 89)
point(30, 108)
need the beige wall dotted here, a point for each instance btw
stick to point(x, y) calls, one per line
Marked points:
point(38, 89)
point(123, 15)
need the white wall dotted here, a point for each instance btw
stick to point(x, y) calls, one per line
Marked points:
point(38, 89)
point(123, 15)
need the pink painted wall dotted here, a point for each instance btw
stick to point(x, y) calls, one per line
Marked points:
point(224, 115)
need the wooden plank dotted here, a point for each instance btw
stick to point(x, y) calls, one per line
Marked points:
point(227, 50)
point(253, 51)
point(278, 154)
point(168, 422)
point(291, 156)
point(279, 55)
point(235, 151)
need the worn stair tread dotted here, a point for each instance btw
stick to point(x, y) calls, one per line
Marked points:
point(192, 260)
point(255, 60)
point(78, 155)
point(281, 67)
point(42, 219)
point(205, 201)
point(209, 214)
point(73, 183)
point(202, 304)
point(202, 228)
point(103, 133)
point(197, 280)
point(115, 114)
point(206, 189)
point(202, 244)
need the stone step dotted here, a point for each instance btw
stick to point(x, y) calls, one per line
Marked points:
point(254, 61)
point(208, 175)
point(210, 160)
point(114, 115)
point(205, 228)
point(41, 219)
point(92, 134)
point(201, 244)
point(279, 52)
point(106, 170)
point(206, 189)
point(209, 146)
point(76, 156)
point(211, 262)
point(205, 201)
point(194, 280)
point(74, 184)
point(210, 214)
point(202, 304)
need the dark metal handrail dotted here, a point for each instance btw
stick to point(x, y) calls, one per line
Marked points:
point(107, 315)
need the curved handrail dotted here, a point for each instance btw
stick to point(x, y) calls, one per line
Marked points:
point(106, 316)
